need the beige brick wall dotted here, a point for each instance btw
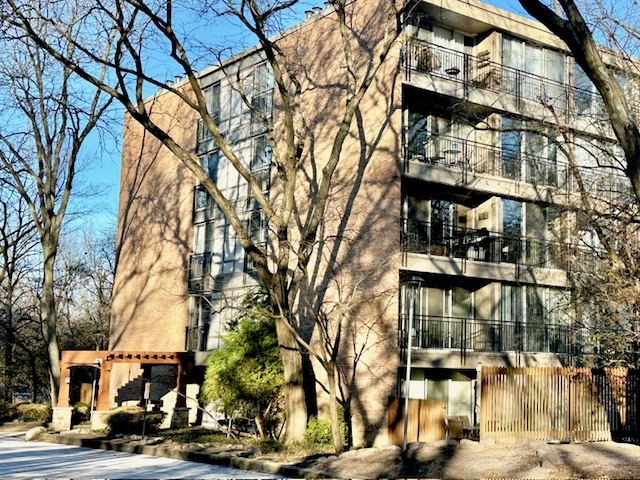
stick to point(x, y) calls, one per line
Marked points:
point(154, 241)
point(355, 272)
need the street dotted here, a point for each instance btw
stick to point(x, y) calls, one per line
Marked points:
point(20, 459)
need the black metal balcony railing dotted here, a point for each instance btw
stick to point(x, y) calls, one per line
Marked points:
point(199, 272)
point(201, 277)
point(480, 72)
point(466, 155)
point(196, 338)
point(482, 159)
point(480, 335)
point(481, 245)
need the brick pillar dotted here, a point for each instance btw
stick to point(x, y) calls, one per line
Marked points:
point(104, 402)
point(61, 419)
point(63, 391)
point(181, 398)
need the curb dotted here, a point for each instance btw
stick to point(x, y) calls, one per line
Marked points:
point(263, 466)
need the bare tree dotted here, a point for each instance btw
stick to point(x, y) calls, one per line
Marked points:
point(48, 118)
point(570, 25)
point(605, 273)
point(360, 44)
point(18, 249)
point(350, 324)
point(85, 273)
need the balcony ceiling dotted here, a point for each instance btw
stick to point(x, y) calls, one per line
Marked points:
point(458, 21)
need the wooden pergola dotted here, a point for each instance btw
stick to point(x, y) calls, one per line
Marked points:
point(104, 360)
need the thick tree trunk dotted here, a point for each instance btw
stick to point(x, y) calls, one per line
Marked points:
point(336, 434)
point(296, 422)
point(48, 317)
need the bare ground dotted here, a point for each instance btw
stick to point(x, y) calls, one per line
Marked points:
point(517, 458)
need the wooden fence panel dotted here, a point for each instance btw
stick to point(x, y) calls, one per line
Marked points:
point(560, 403)
point(426, 421)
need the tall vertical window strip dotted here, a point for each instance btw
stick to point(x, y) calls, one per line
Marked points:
point(262, 97)
point(212, 97)
point(212, 100)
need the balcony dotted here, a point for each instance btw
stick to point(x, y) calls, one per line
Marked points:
point(199, 267)
point(481, 73)
point(478, 335)
point(200, 278)
point(481, 245)
point(196, 338)
point(482, 159)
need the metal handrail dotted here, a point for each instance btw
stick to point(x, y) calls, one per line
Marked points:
point(447, 240)
point(484, 335)
point(196, 338)
point(463, 154)
point(480, 72)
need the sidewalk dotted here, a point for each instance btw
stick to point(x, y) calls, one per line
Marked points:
point(506, 458)
point(188, 452)
point(233, 457)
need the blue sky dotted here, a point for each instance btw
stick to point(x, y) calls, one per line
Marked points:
point(104, 171)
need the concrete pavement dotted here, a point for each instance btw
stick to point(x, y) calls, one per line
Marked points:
point(20, 459)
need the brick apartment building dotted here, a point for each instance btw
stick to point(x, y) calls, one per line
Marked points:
point(453, 194)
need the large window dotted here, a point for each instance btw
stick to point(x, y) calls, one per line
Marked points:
point(212, 100)
point(529, 152)
point(205, 325)
point(535, 319)
point(533, 59)
point(534, 234)
point(436, 139)
point(214, 236)
point(212, 97)
point(440, 313)
point(544, 79)
point(455, 389)
point(227, 256)
point(586, 98)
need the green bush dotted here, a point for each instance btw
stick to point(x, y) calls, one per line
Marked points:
point(129, 420)
point(9, 411)
point(34, 412)
point(81, 412)
point(319, 429)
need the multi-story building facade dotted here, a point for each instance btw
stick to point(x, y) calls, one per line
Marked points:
point(502, 134)
point(468, 206)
